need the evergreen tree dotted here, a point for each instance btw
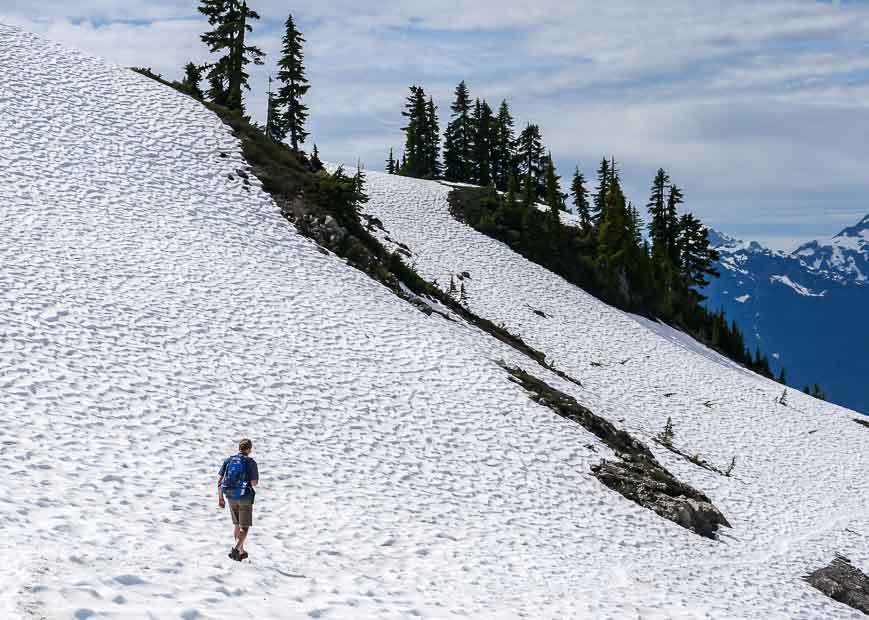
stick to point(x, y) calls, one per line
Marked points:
point(390, 163)
point(781, 377)
point(671, 222)
point(416, 134)
point(432, 139)
point(458, 136)
point(635, 223)
point(230, 22)
point(615, 241)
point(604, 176)
point(553, 191)
point(580, 200)
point(316, 164)
point(192, 80)
point(697, 257)
point(275, 126)
point(220, 39)
point(359, 183)
point(503, 139)
point(482, 124)
point(530, 156)
point(295, 85)
point(657, 205)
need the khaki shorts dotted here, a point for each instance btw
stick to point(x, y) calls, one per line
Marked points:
point(241, 512)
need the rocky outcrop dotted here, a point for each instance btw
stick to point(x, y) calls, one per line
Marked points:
point(637, 475)
point(843, 582)
point(650, 485)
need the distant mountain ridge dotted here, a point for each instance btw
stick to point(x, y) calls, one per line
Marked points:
point(806, 308)
point(846, 255)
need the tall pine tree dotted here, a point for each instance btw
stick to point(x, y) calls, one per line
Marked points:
point(230, 24)
point(554, 199)
point(291, 74)
point(432, 138)
point(580, 200)
point(415, 133)
point(697, 257)
point(659, 225)
point(503, 139)
point(482, 123)
point(458, 138)
point(604, 178)
point(531, 160)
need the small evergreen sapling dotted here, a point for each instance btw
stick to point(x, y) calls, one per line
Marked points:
point(666, 437)
point(452, 290)
point(316, 164)
point(463, 294)
point(192, 79)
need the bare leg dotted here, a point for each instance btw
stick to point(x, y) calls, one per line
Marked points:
point(242, 535)
point(235, 533)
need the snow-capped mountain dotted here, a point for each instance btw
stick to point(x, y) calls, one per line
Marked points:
point(844, 256)
point(806, 308)
point(156, 305)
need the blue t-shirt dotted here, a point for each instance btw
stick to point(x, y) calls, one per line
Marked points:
point(252, 474)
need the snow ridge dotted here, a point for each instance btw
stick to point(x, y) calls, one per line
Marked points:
point(155, 308)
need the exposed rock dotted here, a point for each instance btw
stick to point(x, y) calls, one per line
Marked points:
point(843, 582)
point(637, 475)
point(650, 485)
point(862, 422)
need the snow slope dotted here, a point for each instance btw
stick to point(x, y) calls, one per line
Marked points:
point(154, 310)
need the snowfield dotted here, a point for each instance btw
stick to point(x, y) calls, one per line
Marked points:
point(154, 310)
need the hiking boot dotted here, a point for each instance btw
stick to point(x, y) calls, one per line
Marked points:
point(234, 555)
point(242, 556)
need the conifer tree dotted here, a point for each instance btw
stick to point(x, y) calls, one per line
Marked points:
point(636, 225)
point(659, 225)
point(580, 200)
point(503, 139)
point(390, 163)
point(192, 80)
point(458, 136)
point(432, 139)
point(553, 190)
point(671, 222)
point(615, 241)
point(291, 74)
point(316, 164)
point(230, 22)
point(530, 156)
point(482, 123)
point(696, 255)
point(463, 293)
point(416, 134)
point(275, 127)
point(603, 185)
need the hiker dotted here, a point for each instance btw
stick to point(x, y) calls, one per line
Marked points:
point(238, 476)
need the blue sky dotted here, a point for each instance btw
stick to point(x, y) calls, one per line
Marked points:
point(759, 110)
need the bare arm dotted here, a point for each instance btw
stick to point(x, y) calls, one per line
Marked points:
point(253, 483)
point(220, 501)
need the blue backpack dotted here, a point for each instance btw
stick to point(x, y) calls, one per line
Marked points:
point(235, 477)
